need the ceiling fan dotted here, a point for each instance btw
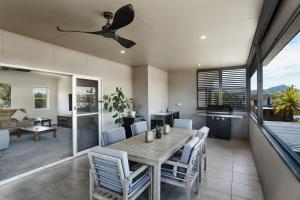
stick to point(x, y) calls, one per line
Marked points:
point(122, 17)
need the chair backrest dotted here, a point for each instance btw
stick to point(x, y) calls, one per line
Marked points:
point(113, 135)
point(203, 132)
point(183, 123)
point(188, 149)
point(139, 127)
point(109, 168)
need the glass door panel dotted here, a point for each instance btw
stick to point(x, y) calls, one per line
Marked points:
point(86, 119)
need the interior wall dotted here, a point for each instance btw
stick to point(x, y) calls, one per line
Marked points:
point(20, 50)
point(150, 90)
point(64, 88)
point(277, 180)
point(22, 84)
point(140, 89)
point(157, 90)
point(183, 97)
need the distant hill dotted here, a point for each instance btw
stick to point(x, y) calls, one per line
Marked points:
point(272, 90)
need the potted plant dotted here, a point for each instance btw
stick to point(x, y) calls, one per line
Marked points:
point(135, 108)
point(158, 132)
point(287, 103)
point(117, 103)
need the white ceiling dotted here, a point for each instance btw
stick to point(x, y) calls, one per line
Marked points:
point(167, 33)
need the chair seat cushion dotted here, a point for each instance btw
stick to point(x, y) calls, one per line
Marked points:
point(187, 150)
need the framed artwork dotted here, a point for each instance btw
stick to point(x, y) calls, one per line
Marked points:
point(5, 95)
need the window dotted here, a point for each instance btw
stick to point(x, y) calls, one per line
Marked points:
point(253, 94)
point(221, 87)
point(5, 95)
point(281, 96)
point(40, 95)
point(208, 88)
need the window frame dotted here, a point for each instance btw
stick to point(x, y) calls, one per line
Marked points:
point(290, 158)
point(220, 87)
point(47, 99)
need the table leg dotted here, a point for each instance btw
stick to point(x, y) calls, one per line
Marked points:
point(54, 133)
point(156, 181)
point(36, 135)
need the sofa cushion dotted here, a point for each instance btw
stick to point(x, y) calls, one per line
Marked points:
point(18, 115)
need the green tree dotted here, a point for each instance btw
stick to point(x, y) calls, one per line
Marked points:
point(287, 103)
point(117, 102)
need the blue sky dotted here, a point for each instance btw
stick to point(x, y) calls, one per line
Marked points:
point(284, 69)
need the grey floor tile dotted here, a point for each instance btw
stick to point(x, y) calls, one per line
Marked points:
point(246, 179)
point(216, 184)
point(246, 191)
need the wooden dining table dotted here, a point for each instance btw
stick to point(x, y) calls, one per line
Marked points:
point(155, 153)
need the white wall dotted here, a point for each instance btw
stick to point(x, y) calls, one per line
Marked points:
point(277, 180)
point(182, 89)
point(140, 88)
point(157, 90)
point(150, 90)
point(22, 84)
point(20, 50)
point(64, 88)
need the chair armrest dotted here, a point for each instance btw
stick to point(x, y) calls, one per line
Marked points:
point(137, 172)
point(176, 164)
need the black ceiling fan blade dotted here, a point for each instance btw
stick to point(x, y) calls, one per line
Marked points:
point(125, 42)
point(72, 31)
point(123, 17)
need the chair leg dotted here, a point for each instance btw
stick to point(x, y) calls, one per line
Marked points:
point(92, 185)
point(150, 192)
point(188, 193)
point(205, 163)
point(197, 185)
point(200, 171)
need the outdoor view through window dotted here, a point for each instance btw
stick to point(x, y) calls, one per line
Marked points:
point(281, 95)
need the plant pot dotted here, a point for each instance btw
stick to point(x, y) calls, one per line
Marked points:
point(158, 134)
point(132, 113)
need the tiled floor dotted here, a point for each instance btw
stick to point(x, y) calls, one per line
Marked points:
point(231, 175)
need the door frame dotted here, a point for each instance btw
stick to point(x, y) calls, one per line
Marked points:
point(74, 112)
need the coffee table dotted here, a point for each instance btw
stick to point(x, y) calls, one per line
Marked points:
point(42, 121)
point(37, 131)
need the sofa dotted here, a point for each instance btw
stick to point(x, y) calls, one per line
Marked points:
point(6, 122)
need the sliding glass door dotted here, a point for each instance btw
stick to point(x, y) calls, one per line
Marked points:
point(86, 112)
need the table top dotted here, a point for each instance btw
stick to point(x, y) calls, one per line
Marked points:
point(37, 128)
point(157, 151)
point(41, 119)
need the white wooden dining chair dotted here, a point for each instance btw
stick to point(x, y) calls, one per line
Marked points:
point(139, 128)
point(203, 134)
point(184, 172)
point(111, 179)
point(113, 135)
point(183, 123)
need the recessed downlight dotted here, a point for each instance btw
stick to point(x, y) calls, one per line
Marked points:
point(203, 37)
point(199, 65)
point(122, 51)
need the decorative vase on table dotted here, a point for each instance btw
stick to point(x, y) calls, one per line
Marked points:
point(149, 136)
